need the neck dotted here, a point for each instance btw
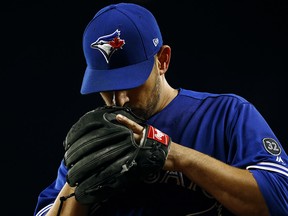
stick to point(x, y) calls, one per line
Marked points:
point(168, 94)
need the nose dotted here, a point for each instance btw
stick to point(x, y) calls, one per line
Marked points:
point(120, 98)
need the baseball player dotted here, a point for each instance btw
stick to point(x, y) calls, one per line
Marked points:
point(192, 153)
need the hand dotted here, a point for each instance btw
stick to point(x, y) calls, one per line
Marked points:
point(103, 155)
point(135, 127)
point(156, 144)
point(99, 152)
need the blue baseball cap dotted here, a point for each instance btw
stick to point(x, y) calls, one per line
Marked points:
point(119, 46)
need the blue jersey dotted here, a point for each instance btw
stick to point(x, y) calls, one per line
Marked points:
point(224, 126)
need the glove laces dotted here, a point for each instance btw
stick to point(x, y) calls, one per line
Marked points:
point(62, 200)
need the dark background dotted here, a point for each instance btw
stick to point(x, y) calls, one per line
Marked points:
point(217, 46)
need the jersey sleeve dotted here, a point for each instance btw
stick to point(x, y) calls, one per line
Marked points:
point(47, 197)
point(256, 148)
point(274, 187)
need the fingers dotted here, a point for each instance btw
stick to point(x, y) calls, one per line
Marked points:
point(136, 128)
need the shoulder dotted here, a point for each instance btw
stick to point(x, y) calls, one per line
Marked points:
point(197, 95)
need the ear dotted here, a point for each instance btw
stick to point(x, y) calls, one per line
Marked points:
point(164, 56)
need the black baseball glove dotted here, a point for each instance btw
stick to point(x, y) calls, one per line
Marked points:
point(102, 156)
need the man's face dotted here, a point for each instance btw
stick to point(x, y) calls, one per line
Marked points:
point(143, 100)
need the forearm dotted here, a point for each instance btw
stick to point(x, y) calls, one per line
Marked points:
point(70, 207)
point(235, 188)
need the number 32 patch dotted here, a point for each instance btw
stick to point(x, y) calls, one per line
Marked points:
point(271, 146)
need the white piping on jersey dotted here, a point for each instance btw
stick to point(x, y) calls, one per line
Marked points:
point(44, 210)
point(268, 166)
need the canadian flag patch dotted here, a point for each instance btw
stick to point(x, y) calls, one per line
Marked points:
point(158, 135)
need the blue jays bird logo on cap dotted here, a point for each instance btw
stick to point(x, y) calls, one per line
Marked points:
point(108, 44)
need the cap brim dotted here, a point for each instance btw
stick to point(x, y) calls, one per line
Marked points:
point(116, 79)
